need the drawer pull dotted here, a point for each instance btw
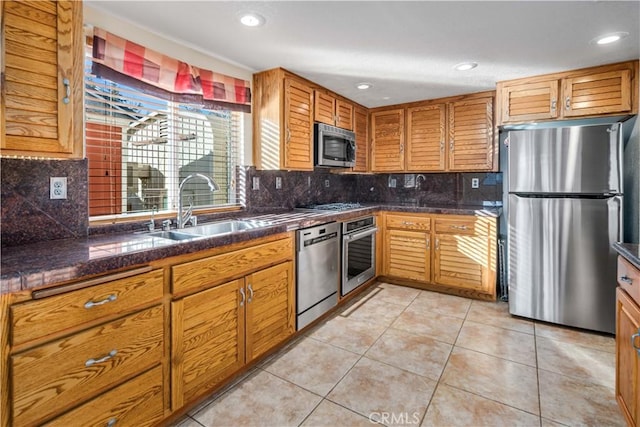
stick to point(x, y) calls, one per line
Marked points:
point(92, 362)
point(633, 341)
point(407, 223)
point(626, 279)
point(459, 227)
point(112, 422)
point(110, 298)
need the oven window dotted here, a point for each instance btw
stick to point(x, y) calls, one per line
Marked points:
point(359, 256)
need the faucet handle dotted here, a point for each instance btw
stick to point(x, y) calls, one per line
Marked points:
point(166, 224)
point(193, 220)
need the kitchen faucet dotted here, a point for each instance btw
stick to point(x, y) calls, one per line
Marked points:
point(182, 219)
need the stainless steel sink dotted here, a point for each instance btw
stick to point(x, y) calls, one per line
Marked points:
point(173, 235)
point(223, 227)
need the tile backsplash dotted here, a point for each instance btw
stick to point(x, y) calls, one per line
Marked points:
point(28, 215)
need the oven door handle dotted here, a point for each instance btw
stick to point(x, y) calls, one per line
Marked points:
point(360, 235)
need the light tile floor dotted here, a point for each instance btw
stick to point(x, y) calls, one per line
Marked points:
point(402, 356)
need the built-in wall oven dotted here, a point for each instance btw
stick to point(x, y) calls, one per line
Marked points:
point(358, 252)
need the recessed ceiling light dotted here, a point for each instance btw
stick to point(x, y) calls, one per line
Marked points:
point(610, 38)
point(364, 86)
point(464, 66)
point(386, 98)
point(252, 19)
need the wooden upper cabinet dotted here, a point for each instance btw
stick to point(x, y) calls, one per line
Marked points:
point(530, 101)
point(282, 112)
point(362, 139)
point(471, 134)
point(333, 111)
point(298, 113)
point(387, 140)
point(600, 93)
point(597, 91)
point(426, 136)
point(43, 79)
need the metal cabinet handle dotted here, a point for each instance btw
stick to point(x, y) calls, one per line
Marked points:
point(567, 103)
point(110, 298)
point(67, 88)
point(243, 297)
point(437, 244)
point(553, 105)
point(441, 145)
point(92, 362)
point(428, 243)
point(401, 148)
point(451, 145)
point(112, 422)
point(288, 135)
point(633, 341)
point(407, 223)
point(250, 293)
point(626, 279)
point(459, 227)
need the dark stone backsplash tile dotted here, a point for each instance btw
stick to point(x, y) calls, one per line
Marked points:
point(28, 215)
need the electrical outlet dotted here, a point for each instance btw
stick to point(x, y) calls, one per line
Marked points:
point(278, 182)
point(255, 184)
point(475, 182)
point(392, 182)
point(326, 183)
point(58, 187)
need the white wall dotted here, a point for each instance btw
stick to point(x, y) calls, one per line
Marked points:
point(165, 45)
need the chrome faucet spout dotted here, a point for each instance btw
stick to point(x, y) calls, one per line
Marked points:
point(182, 218)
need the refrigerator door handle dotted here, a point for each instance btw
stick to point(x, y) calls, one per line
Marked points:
point(618, 201)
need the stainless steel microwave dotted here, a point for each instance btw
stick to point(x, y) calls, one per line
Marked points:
point(334, 147)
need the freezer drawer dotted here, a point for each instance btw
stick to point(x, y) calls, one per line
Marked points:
point(569, 160)
point(562, 268)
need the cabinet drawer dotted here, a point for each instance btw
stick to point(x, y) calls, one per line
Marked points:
point(459, 225)
point(135, 403)
point(40, 318)
point(224, 267)
point(53, 377)
point(408, 222)
point(629, 279)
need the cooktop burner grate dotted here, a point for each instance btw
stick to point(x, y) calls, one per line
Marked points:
point(335, 206)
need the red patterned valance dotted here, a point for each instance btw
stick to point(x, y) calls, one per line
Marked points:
point(129, 63)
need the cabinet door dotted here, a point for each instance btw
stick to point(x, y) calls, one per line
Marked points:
point(298, 124)
point(387, 143)
point(270, 308)
point(344, 114)
point(42, 86)
point(426, 138)
point(407, 255)
point(627, 357)
point(463, 261)
point(362, 140)
point(324, 108)
point(471, 135)
point(600, 93)
point(529, 101)
point(207, 343)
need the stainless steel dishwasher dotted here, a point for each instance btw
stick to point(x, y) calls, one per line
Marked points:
point(317, 271)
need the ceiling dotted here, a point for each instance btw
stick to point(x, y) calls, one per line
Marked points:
point(407, 50)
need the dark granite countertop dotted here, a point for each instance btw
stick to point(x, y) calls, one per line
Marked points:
point(629, 251)
point(46, 263)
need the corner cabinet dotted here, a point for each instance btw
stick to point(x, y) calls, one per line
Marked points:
point(449, 253)
point(42, 70)
point(387, 140)
point(243, 307)
point(597, 91)
point(282, 121)
point(628, 342)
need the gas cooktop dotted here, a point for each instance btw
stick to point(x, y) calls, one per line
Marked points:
point(333, 207)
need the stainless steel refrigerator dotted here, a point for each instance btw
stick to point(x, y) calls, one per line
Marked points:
point(564, 212)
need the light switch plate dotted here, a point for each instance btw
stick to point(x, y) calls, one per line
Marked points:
point(278, 182)
point(58, 187)
point(392, 182)
point(255, 184)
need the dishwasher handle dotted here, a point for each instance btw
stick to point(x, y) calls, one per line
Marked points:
point(360, 235)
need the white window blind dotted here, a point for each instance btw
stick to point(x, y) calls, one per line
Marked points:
point(140, 147)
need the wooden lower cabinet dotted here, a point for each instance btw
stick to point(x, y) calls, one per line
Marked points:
point(217, 331)
point(628, 357)
point(135, 403)
point(457, 254)
point(407, 255)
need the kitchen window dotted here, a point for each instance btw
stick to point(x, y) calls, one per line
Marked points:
point(141, 146)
